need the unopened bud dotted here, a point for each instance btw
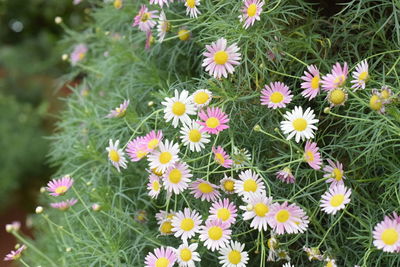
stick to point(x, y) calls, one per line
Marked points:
point(327, 110)
point(39, 209)
point(42, 189)
point(96, 207)
point(150, 103)
point(64, 57)
point(58, 20)
point(257, 128)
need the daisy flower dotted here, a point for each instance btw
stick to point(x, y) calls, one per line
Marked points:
point(201, 98)
point(249, 182)
point(15, 254)
point(223, 210)
point(360, 75)
point(118, 4)
point(64, 205)
point(149, 40)
point(159, 2)
point(313, 253)
point(78, 54)
point(387, 235)
point(335, 198)
point(214, 120)
point(215, 234)
point(220, 59)
point(192, 135)
point(178, 108)
point(145, 19)
point(257, 209)
point(285, 218)
point(186, 254)
point(163, 26)
point(204, 190)
point(166, 227)
point(336, 78)
point(191, 8)
point(286, 175)
point(330, 262)
point(136, 149)
point(312, 155)
point(161, 257)
point(276, 95)
point(120, 111)
point(311, 82)
point(299, 124)
point(222, 157)
point(334, 172)
point(376, 102)
point(337, 97)
point(154, 185)
point(241, 157)
point(164, 215)
point(116, 155)
point(165, 157)
point(385, 94)
point(251, 12)
point(287, 264)
point(228, 184)
point(152, 139)
point(233, 255)
point(186, 224)
point(60, 187)
point(184, 34)
point(177, 177)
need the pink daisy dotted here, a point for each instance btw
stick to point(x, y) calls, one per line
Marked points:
point(336, 78)
point(360, 75)
point(159, 2)
point(14, 254)
point(145, 19)
point(334, 172)
point(78, 54)
point(214, 120)
point(220, 59)
point(312, 156)
point(286, 175)
point(335, 199)
point(387, 235)
point(186, 224)
point(285, 218)
point(204, 190)
point(64, 205)
point(251, 12)
point(136, 149)
point(222, 157)
point(394, 216)
point(215, 234)
point(276, 95)
point(149, 40)
point(311, 82)
point(120, 111)
point(177, 177)
point(163, 256)
point(152, 139)
point(59, 187)
point(224, 210)
point(154, 185)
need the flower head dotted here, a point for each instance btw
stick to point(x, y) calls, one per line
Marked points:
point(224, 210)
point(337, 97)
point(164, 157)
point(116, 155)
point(233, 255)
point(186, 254)
point(228, 184)
point(154, 185)
point(193, 136)
point(152, 139)
point(276, 95)
point(385, 94)
point(285, 218)
point(186, 224)
point(335, 199)
point(15, 254)
point(251, 12)
point(334, 172)
point(177, 177)
point(286, 175)
point(161, 257)
point(201, 98)
point(312, 155)
point(214, 120)
point(249, 182)
point(191, 8)
point(336, 78)
point(360, 75)
point(258, 210)
point(299, 124)
point(387, 235)
point(58, 187)
point(120, 111)
point(137, 149)
point(178, 108)
point(311, 82)
point(78, 54)
point(221, 157)
point(241, 157)
point(204, 190)
point(163, 27)
point(145, 19)
point(64, 205)
point(215, 234)
point(376, 102)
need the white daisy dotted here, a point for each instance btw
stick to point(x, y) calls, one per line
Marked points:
point(186, 224)
point(360, 75)
point(258, 209)
point(165, 157)
point(187, 255)
point(201, 98)
point(228, 184)
point(233, 255)
point(116, 155)
point(178, 108)
point(299, 124)
point(154, 185)
point(163, 27)
point(215, 234)
point(249, 182)
point(177, 177)
point(191, 8)
point(287, 264)
point(193, 136)
point(335, 198)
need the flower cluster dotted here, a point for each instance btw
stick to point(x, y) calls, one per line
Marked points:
point(59, 187)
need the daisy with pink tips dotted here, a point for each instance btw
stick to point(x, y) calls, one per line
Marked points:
point(58, 187)
point(164, 215)
point(285, 218)
point(64, 205)
point(257, 209)
point(177, 177)
point(336, 78)
point(159, 2)
point(186, 224)
point(312, 155)
point(152, 139)
point(311, 82)
point(286, 175)
point(249, 182)
point(387, 235)
point(164, 157)
point(149, 40)
point(191, 8)
point(276, 95)
point(360, 75)
point(220, 59)
point(163, 256)
point(78, 54)
point(335, 198)
point(214, 120)
point(145, 19)
point(224, 210)
point(154, 185)
point(222, 157)
point(120, 111)
point(15, 254)
point(215, 234)
point(204, 190)
point(116, 155)
point(334, 172)
point(251, 12)
point(136, 149)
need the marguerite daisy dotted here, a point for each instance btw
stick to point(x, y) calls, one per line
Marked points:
point(228, 184)
point(286, 175)
point(58, 187)
point(276, 95)
point(152, 139)
point(334, 172)
point(166, 227)
point(145, 19)
point(186, 224)
point(311, 82)
point(285, 218)
point(15, 254)
point(215, 234)
point(116, 155)
point(214, 120)
point(251, 12)
point(204, 190)
point(163, 27)
point(136, 149)
point(178, 108)
point(191, 8)
point(299, 124)
point(312, 155)
point(165, 156)
point(224, 210)
point(336, 78)
point(258, 209)
point(249, 182)
point(201, 98)
point(376, 102)
point(186, 254)
point(233, 255)
point(337, 97)
point(120, 111)
point(164, 215)
point(387, 235)
point(241, 157)
point(177, 177)
point(64, 205)
point(335, 198)
point(360, 75)
point(193, 136)
point(161, 257)
point(154, 185)
point(385, 94)
point(221, 157)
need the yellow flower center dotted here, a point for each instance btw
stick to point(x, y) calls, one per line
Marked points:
point(329, 264)
point(219, 158)
point(153, 143)
point(282, 216)
point(162, 262)
point(178, 108)
point(215, 232)
point(337, 96)
point(390, 236)
point(385, 94)
point(276, 97)
point(375, 103)
point(252, 10)
point(156, 172)
point(205, 188)
point(186, 254)
point(118, 4)
point(191, 3)
point(250, 185)
point(339, 81)
point(221, 57)
point(114, 156)
point(261, 209)
point(229, 185)
point(156, 186)
point(175, 176)
point(201, 98)
point(145, 17)
point(183, 34)
point(81, 56)
point(234, 257)
point(299, 124)
point(337, 200)
point(166, 227)
point(212, 122)
point(194, 135)
point(187, 224)
point(61, 190)
point(315, 83)
point(363, 76)
point(165, 157)
point(337, 174)
point(309, 155)
point(223, 214)
point(140, 154)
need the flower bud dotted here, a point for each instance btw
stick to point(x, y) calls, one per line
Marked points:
point(39, 209)
point(58, 20)
point(257, 128)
